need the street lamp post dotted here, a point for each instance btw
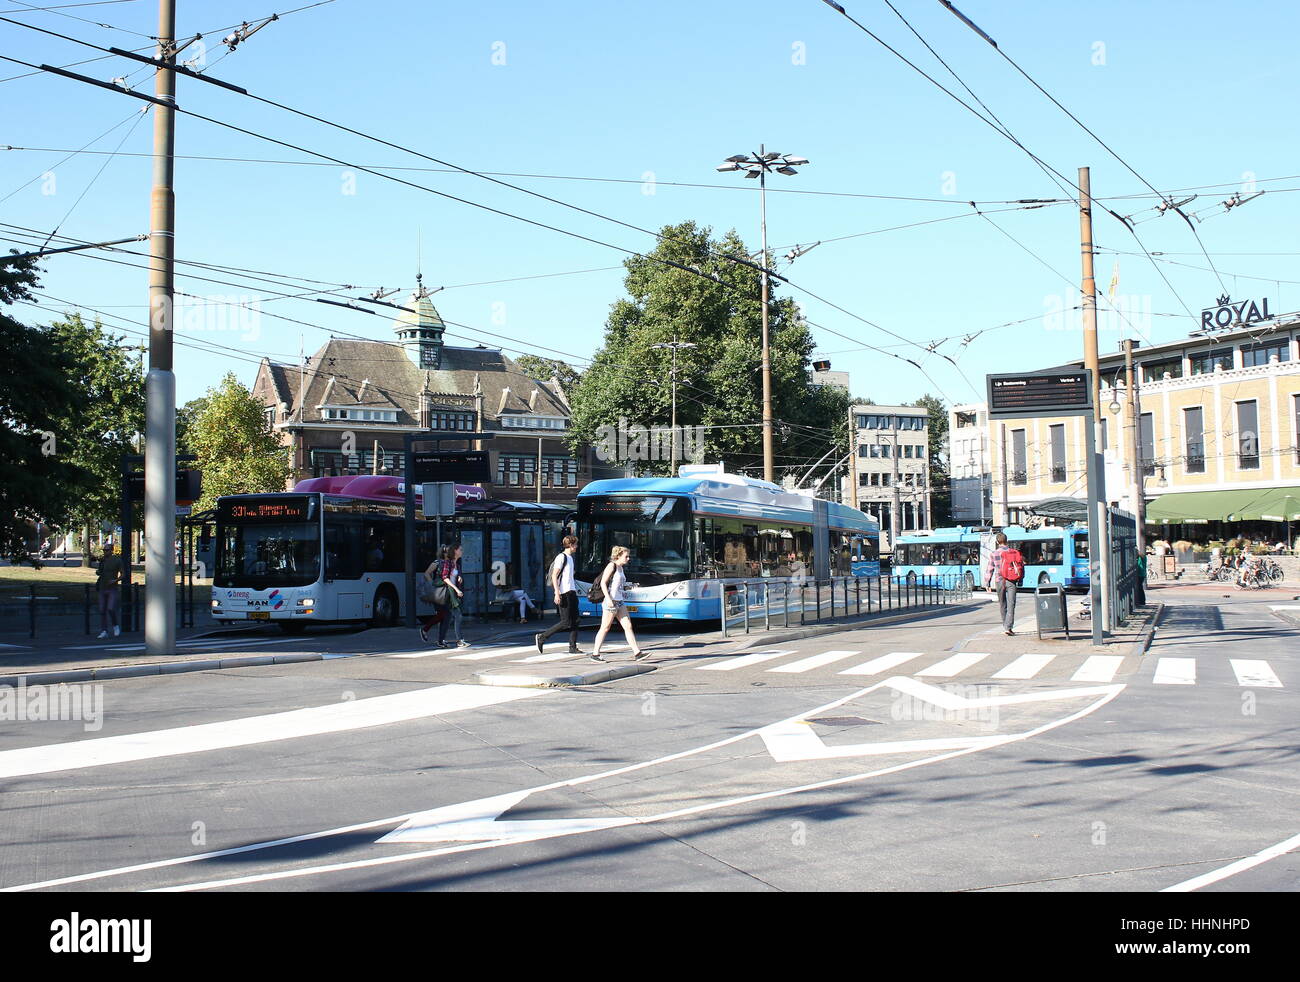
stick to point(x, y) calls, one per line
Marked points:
point(672, 431)
point(759, 165)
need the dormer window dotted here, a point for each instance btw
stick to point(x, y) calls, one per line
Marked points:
point(535, 422)
point(366, 415)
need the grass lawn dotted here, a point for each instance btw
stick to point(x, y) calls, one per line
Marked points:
point(68, 583)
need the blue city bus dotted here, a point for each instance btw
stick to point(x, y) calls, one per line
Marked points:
point(687, 534)
point(1052, 555)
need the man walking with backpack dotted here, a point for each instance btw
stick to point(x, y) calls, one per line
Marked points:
point(561, 578)
point(1004, 572)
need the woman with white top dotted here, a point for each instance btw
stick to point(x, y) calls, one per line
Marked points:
point(612, 608)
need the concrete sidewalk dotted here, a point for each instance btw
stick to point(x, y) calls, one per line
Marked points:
point(1130, 639)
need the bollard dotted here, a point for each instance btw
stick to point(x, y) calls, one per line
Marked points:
point(857, 595)
point(31, 610)
point(745, 587)
point(785, 622)
point(86, 607)
point(767, 606)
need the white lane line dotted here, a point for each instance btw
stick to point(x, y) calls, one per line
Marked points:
point(882, 664)
point(1254, 673)
point(1175, 671)
point(951, 666)
point(816, 661)
point(334, 718)
point(1241, 865)
point(1024, 667)
point(743, 661)
point(1282, 607)
point(1098, 668)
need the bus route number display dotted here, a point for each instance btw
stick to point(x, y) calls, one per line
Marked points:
point(249, 510)
point(1040, 393)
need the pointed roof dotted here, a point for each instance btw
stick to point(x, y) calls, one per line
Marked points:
point(421, 312)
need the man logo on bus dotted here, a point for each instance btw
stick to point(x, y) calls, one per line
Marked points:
point(636, 442)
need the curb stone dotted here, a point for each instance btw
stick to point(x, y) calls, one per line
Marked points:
point(144, 671)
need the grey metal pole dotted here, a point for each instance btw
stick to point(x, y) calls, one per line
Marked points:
point(160, 384)
point(408, 469)
point(1094, 539)
point(769, 470)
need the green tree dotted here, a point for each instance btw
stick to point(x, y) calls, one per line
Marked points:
point(545, 369)
point(108, 417)
point(235, 452)
point(940, 472)
point(185, 417)
point(719, 380)
point(38, 483)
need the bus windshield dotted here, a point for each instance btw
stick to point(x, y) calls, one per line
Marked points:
point(263, 543)
point(654, 528)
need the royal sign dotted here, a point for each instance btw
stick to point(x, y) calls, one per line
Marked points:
point(1228, 314)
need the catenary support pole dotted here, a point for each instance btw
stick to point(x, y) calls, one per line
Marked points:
point(1101, 560)
point(160, 384)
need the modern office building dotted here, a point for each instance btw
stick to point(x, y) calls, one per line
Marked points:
point(890, 471)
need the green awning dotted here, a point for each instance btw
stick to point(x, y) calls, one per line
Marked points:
point(1246, 505)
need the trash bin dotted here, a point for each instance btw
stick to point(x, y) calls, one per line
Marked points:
point(1049, 609)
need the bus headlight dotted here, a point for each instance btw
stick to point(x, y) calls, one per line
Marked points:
point(216, 603)
point(306, 601)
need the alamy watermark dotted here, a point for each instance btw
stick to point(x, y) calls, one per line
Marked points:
point(632, 441)
point(25, 703)
point(906, 707)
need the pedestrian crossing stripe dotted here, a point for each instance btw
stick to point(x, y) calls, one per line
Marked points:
point(1175, 671)
point(1024, 667)
point(1095, 668)
point(1254, 673)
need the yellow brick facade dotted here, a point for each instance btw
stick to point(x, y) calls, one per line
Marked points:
point(1273, 387)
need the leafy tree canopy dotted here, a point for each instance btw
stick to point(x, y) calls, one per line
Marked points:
point(719, 380)
point(235, 452)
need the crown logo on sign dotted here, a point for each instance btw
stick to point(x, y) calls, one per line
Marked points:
point(1223, 300)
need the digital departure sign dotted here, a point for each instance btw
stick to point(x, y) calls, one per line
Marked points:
point(251, 511)
point(1053, 393)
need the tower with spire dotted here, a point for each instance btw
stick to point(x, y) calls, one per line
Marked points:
point(419, 329)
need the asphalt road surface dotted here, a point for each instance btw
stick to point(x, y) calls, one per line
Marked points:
point(899, 757)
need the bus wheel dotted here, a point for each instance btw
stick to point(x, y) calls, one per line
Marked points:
point(969, 582)
point(911, 579)
point(385, 607)
point(293, 627)
point(1043, 578)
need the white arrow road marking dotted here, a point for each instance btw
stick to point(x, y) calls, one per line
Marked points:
point(796, 740)
point(1240, 866)
point(1024, 667)
point(1175, 671)
point(1254, 673)
point(478, 810)
point(334, 718)
point(478, 820)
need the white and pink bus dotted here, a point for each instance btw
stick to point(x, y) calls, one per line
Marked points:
point(332, 550)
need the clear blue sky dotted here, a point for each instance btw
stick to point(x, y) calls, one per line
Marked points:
point(1189, 94)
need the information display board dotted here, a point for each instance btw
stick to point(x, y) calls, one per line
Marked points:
point(1058, 392)
point(459, 466)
